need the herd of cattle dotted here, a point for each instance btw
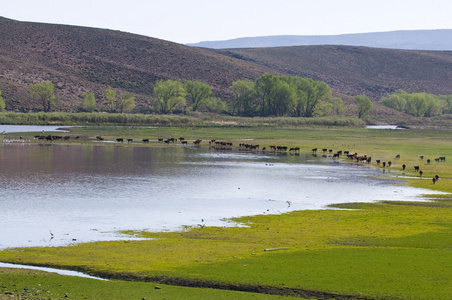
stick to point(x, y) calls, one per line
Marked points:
point(224, 145)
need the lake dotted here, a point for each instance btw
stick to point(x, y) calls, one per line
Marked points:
point(60, 194)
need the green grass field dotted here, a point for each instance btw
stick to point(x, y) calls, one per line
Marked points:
point(389, 250)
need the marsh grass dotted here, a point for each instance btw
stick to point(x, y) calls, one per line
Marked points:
point(60, 118)
point(377, 250)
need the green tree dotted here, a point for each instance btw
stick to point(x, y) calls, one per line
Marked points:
point(397, 101)
point(89, 102)
point(417, 104)
point(446, 103)
point(169, 95)
point(338, 106)
point(110, 99)
point(215, 105)
point(44, 91)
point(244, 97)
point(126, 103)
point(282, 98)
point(317, 92)
point(300, 94)
point(311, 95)
point(197, 94)
point(434, 106)
point(276, 96)
point(363, 106)
point(264, 86)
point(2, 102)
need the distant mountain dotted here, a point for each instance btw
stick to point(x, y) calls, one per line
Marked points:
point(440, 39)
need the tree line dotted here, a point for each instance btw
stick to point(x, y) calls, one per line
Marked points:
point(268, 95)
point(419, 104)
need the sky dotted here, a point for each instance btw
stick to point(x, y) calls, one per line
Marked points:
point(192, 21)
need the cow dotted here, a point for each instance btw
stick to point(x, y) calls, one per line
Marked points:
point(416, 168)
point(145, 140)
point(442, 158)
point(129, 140)
point(120, 140)
point(403, 167)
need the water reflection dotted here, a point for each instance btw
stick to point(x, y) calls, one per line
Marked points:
point(86, 192)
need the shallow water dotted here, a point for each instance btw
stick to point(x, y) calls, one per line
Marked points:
point(393, 127)
point(51, 270)
point(30, 128)
point(61, 194)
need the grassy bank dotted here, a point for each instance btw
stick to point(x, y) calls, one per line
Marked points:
point(386, 250)
point(34, 285)
point(389, 250)
point(59, 118)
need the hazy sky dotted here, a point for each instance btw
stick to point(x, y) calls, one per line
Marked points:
point(191, 21)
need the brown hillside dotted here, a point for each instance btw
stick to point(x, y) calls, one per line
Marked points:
point(81, 59)
point(373, 72)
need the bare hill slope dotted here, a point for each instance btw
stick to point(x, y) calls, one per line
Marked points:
point(81, 59)
point(373, 72)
